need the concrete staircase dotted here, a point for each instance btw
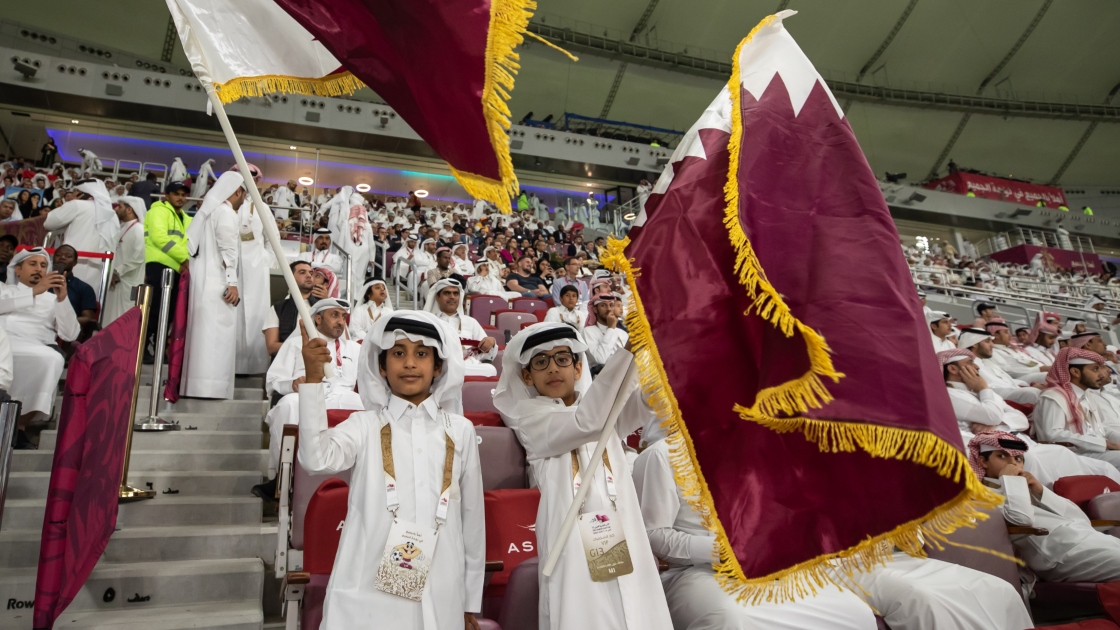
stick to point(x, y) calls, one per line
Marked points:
point(200, 557)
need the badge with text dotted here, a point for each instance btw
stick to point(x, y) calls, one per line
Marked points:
point(407, 559)
point(604, 544)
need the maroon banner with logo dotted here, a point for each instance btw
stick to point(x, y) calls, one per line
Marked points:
point(1051, 257)
point(1000, 189)
point(86, 473)
point(176, 347)
point(30, 232)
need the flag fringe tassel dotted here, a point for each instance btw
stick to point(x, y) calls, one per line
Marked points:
point(509, 21)
point(792, 398)
point(340, 84)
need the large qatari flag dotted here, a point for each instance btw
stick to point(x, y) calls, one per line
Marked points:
point(446, 67)
point(86, 473)
point(782, 340)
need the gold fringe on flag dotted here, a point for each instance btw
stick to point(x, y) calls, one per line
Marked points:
point(340, 84)
point(778, 408)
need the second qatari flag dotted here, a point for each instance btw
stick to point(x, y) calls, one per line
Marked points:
point(781, 339)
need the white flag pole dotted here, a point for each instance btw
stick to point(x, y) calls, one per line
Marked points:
point(581, 495)
point(270, 231)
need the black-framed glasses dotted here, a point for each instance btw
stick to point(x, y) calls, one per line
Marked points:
point(540, 362)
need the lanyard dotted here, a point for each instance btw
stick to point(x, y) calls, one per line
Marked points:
point(391, 500)
point(125, 233)
point(577, 480)
point(338, 352)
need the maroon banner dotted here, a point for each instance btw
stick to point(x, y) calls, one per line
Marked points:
point(30, 232)
point(88, 458)
point(1052, 257)
point(176, 347)
point(1000, 189)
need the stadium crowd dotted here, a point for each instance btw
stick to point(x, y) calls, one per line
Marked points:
point(1031, 409)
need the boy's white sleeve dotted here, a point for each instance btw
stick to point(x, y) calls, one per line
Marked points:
point(1017, 508)
point(321, 449)
point(473, 508)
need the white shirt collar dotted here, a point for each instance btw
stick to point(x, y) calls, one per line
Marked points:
point(398, 407)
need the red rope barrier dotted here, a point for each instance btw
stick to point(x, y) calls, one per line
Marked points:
point(50, 250)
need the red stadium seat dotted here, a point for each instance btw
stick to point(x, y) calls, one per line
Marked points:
point(1105, 507)
point(1082, 488)
point(326, 513)
point(1026, 408)
point(510, 536)
point(488, 419)
point(541, 314)
point(503, 459)
point(477, 396)
point(527, 305)
point(483, 305)
point(510, 322)
point(525, 325)
point(519, 606)
point(480, 379)
point(497, 336)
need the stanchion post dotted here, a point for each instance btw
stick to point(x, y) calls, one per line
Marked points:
point(9, 419)
point(128, 493)
point(106, 278)
point(153, 422)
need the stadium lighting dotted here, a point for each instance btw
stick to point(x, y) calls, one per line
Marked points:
point(421, 193)
point(362, 188)
point(306, 181)
point(629, 216)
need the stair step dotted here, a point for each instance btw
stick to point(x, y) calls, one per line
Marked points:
point(220, 407)
point(179, 583)
point(249, 459)
point(162, 510)
point(239, 393)
point(253, 380)
point(220, 616)
point(233, 483)
point(208, 422)
point(197, 440)
point(20, 548)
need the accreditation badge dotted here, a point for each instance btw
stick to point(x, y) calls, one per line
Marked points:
point(604, 545)
point(406, 560)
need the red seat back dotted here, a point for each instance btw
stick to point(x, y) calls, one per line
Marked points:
point(988, 534)
point(502, 459)
point(326, 514)
point(1081, 488)
point(336, 416)
point(527, 305)
point(541, 314)
point(477, 396)
point(483, 305)
point(511, 322)
point(511, 536)
point(519, 606)
point(488, 419)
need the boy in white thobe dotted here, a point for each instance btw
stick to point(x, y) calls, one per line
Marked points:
point(286, 374)
point(568, 311)
point(546, 396)
point(210, 357)
point(411, 378)
point(979, 409)
point(445, 301)
point(1073, 551)
point(36, 318)
point(696, 600)
point(373, 304)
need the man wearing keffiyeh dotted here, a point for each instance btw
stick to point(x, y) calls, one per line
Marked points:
point(1065, 413)
point(1012, 357)
point(1072, 551)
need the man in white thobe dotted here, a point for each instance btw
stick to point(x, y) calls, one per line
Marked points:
point(980, 410)
point(128, 259)
point(286, 374)
point(558, 420)
point(696, 600)
point(1016, 362)
point(603, 335)
point(257, 260)
point(284, 196)
point(1044, 339)
point(90, 162)
point(210, 357)
point(33, 318)
point(350, 228)
point(178, 171)
point(981, 343)
point(568, 310)
point(1072, 551)
point(88, 224)
point(1067, 414)
point(419, 423)
point(202, 180)
point(406, 253)
point(373, 304)
point(445, 301)
point(322, 255)
point(940, 328)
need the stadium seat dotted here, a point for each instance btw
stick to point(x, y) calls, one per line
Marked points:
point(1081, 488)
point(503, 459)
point(483, 305)
point(519, 606)
point(525, 325)
point(541, 314)
point(988, 534)
point(509, 322)
point(527, 305)
point(497, 336)
point(480, 379)
point(477, 396)
point(484, 418)
point(498, 359)
point(1105, 507)
point(1026, 408)
point(510, 536)
point(326, 511)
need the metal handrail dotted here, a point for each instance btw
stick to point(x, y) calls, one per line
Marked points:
point(997, 296)
point(9, 420)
